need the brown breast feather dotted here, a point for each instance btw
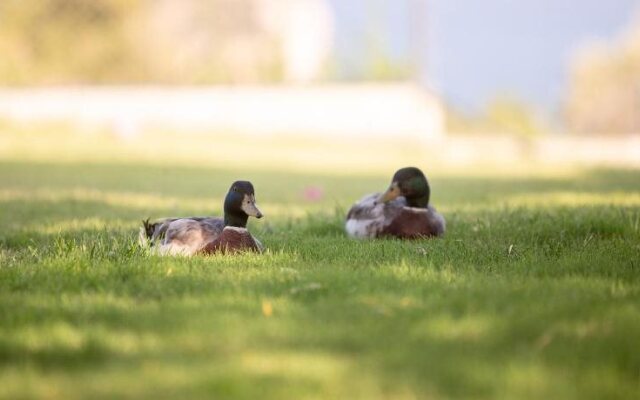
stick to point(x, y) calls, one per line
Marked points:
point(411, 224)
point(231, 241)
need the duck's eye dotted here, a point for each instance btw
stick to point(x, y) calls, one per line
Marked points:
point(235, 189)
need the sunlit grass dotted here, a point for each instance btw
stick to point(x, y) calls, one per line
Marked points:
point(305, 154)
point(64, 144)
point(533, 293)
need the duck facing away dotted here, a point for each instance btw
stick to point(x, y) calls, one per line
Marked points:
point(207, 235)
point(403, 211)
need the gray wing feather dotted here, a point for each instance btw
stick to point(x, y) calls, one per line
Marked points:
point(368, 217)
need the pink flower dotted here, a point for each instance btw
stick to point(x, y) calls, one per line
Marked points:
point(313, 193)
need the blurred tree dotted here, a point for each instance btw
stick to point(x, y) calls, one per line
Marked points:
point(604, 93)
point(503, 115)
point(507, 115)
point(200, 41)
point(107, 41)
point(370, 56)
point(65, 41)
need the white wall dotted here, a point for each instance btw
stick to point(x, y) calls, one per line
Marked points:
point(359, 110)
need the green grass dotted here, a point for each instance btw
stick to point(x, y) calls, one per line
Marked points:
point(533, 293)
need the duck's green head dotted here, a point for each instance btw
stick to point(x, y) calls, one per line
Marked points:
point(240, 204)
point(411, 183)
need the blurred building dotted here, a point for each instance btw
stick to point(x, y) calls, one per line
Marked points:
point(259, 66)
point(304, 29)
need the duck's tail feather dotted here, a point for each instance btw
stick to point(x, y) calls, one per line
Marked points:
point(146, 232)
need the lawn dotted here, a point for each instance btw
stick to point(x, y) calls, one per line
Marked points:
point(533, 293)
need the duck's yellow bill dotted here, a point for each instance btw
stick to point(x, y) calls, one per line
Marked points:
point(391, 193)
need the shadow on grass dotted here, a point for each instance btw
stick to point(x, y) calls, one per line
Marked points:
point(287, 186)
point(513, 302)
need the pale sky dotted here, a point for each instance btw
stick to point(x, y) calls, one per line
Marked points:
point(481, 49)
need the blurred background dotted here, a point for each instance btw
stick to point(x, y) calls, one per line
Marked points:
point(336, 85)
point(524, 114)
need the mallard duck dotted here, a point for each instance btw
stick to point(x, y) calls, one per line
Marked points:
point(206, 235)
point(402, 211)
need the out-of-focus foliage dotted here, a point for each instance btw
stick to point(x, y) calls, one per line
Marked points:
point(189, 42)
point(604, 93)
point(102, 41)
point(513, 117)
point(503, 115)
point(65, 41)
point(382, 67)
point(62, 41)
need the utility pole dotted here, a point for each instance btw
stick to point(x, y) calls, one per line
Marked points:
point(418, 38)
